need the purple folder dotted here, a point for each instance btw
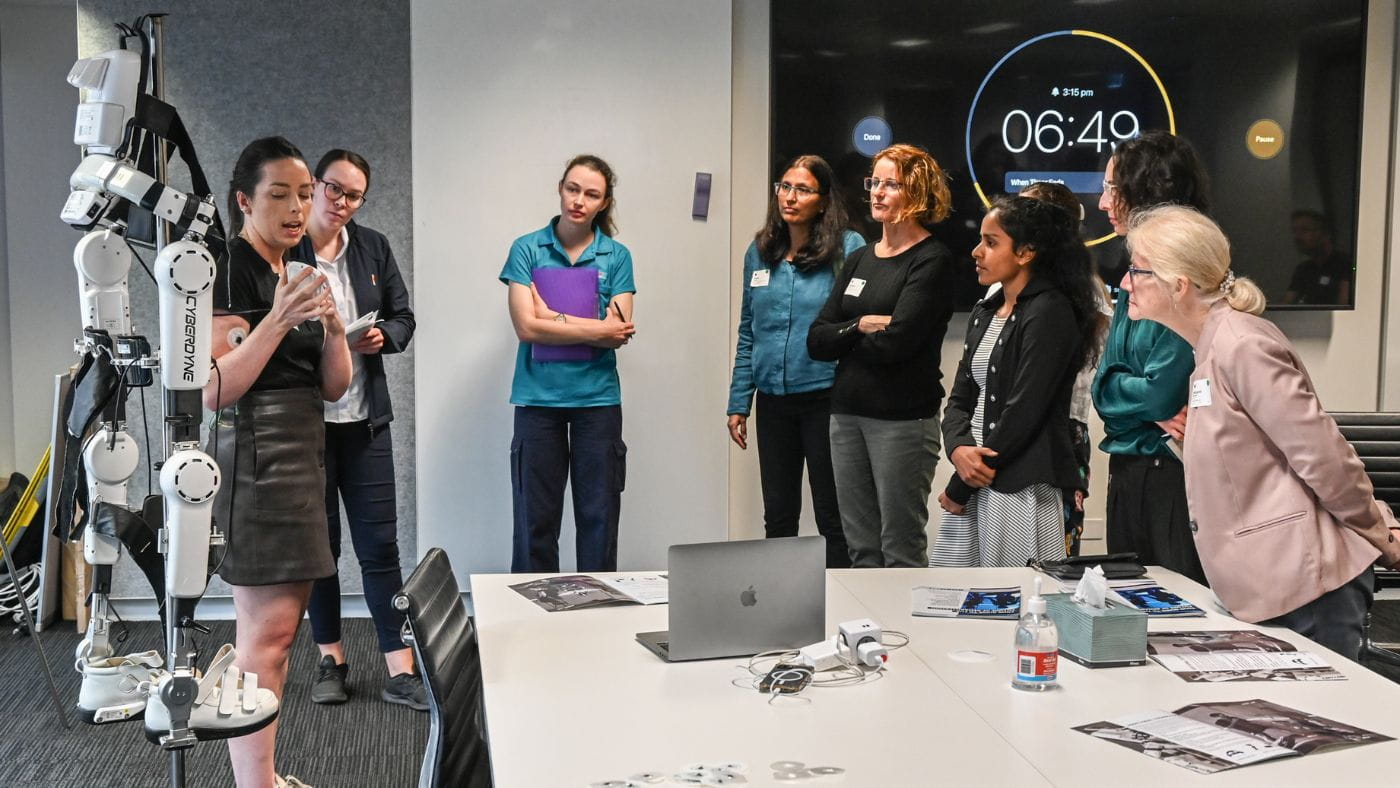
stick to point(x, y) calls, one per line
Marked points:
point(573, 291)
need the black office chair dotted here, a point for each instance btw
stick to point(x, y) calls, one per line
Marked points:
point(1376, 438)
point(444, 645)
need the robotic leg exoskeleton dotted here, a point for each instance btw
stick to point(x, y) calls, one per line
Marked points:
point(180, 705)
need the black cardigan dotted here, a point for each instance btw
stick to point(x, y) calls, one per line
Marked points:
point(1029, 383)
point(374, 275)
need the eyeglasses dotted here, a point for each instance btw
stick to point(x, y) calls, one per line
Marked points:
point(784, 189)
point(335, 191)
point(1109, 186)
point(1134, 272)
point(871, 184)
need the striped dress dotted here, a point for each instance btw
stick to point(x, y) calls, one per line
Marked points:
point(1000, 529)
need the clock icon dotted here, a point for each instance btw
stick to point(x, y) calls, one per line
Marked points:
point(1053, 108)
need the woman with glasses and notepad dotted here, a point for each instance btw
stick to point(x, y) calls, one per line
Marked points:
point(883, 325)
point(788, 272)
point(374, 304)
point(1140, 388)
point(570, 296)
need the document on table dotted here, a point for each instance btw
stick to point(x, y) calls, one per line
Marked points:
point(1236, 655)
point(576, 592)
point(947, 602)
point(649, 589)
point(1212, 737)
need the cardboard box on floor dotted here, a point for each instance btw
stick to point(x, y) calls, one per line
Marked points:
point(77, 584)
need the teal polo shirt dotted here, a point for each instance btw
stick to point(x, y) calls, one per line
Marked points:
point(568, 384)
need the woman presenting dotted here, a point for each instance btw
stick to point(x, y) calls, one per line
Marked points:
point(280, 352)
point(788, 272)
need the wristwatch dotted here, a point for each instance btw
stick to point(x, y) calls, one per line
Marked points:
point(560, 317)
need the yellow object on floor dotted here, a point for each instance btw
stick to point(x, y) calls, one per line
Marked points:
point(28, 504)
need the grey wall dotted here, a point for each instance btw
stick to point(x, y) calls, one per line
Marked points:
point(40, 307)
point(324, 75)
point(7, 400)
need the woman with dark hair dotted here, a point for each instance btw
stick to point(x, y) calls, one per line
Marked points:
point(883, 324)
point(1079, 401)
point(1140, 389)
point(568, 403)
point(788, 271)
point(281, 353)
point(1006, 427)
point(363, 276)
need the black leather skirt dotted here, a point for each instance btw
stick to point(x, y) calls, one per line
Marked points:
point(271, 507)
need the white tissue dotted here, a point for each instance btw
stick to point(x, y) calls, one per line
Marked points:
point(1092, 589)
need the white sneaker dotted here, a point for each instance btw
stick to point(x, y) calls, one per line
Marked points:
point(110, 690)
point(229, 703)
point(290, 782)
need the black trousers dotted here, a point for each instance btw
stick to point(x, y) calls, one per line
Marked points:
point(794, 430)
point(360, 471)
point(1147, 513)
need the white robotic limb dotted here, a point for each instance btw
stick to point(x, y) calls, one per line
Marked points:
point(180, 706)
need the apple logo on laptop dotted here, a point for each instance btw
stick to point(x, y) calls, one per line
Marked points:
point(749, 597)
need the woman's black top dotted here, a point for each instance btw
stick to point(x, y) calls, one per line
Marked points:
point(244, 287)
point(1025, 406)
point(892, 374)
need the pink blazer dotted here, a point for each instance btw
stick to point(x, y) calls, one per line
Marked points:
point(1281, 508)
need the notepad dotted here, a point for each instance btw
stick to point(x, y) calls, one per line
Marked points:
point(363, 323)
point(572, 291)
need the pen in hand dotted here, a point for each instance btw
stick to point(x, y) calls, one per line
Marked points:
point(618, 309)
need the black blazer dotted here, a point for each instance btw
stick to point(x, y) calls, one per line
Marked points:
point(375, 276)
point(1029, 383)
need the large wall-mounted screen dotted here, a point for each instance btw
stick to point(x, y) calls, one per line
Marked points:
point(1009, 92)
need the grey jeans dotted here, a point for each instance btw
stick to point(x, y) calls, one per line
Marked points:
point(884, 470)
point(1337, 618)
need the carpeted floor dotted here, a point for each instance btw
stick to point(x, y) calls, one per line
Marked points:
point(365, 742)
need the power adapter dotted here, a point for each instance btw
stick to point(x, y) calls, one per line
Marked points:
point(822, 655)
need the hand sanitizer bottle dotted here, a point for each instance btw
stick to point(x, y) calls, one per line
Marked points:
point(1037, 647)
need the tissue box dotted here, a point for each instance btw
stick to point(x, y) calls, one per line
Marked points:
point(1115, 636)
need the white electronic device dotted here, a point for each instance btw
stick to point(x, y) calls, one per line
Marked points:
point(860, 641)
point(110, 83)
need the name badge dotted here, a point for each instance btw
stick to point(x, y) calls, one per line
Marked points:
point(1200, 393)
point(760, 278)
point(855, 286)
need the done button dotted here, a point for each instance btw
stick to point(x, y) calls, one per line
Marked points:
point(871, 135)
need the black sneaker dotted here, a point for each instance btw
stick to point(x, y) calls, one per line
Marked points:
point(330, 681)
point(406, 689)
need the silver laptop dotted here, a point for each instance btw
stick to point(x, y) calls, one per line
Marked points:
point(736, 599)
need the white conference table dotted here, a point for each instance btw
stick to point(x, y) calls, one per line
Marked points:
point(1038, 725)
point(572, 699)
